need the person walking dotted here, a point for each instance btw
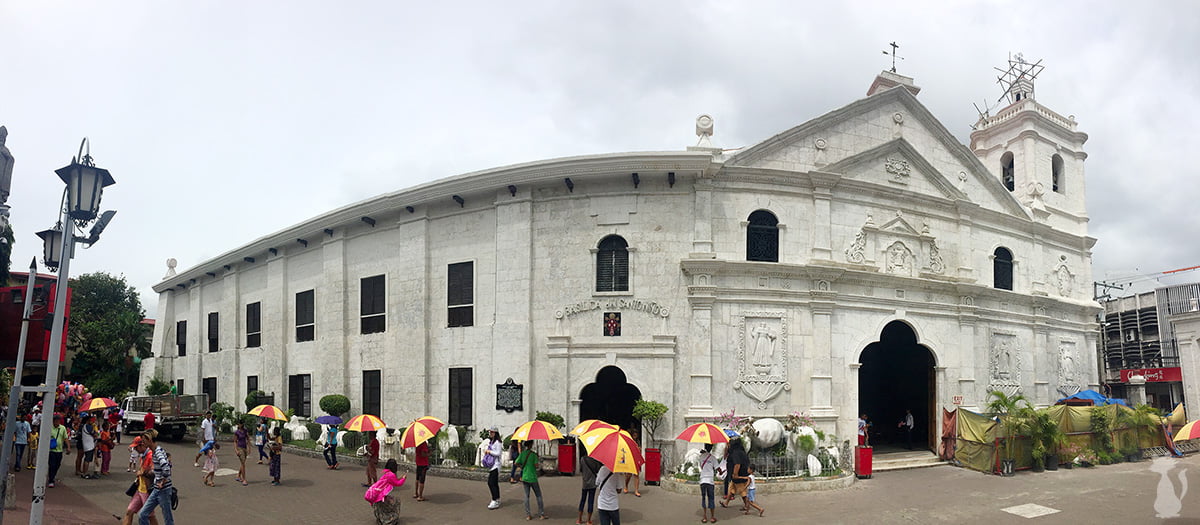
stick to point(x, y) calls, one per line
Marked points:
point(148, 422)
point(494, 448)
point(208, 434)
point(372, 460)
point(588, 466)
point(59, 445)
point(739, 470)
point(20, 441)
point(211, 464)
point(276, 457)
point(87, 439)
point(76, 426)
point(387, 508)
point(422, 460)
point(906, 426)
point(635, 476)
point(162, 489)
point(750, 494)
point(144, 478)
point(607, 492)
point(260, 439)
point(529, 466)
point(331, 444)
point(34, 430)
point(708, 468)
point(241, 448)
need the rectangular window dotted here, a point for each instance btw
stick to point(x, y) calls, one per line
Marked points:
point(254, 325)
point(214, 324)
point(179, 386)
point(251, 384)
point(181, 337)
point(209, 387)
point(372, 387)
point(460, 294)
point(300, 394)
point(460, 396)
point(306, 315)
point(374, 305)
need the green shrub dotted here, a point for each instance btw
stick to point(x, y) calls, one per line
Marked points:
point(157, 387)
point(222, 413)
point(226, 428)
point(463, 454)
point(286, 433)
point(314, 430)
point(353, 440)
point(251, 400)
point(335, 404)
point(250, 420)
point(550, 417)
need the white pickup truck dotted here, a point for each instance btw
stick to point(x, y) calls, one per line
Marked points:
point(172, 413)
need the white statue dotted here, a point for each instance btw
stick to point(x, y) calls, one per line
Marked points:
point(6, 166)
point(692, 457)
point(296, 425)
point(451, 441)
point(814, 466)
point(764, 348)
point(770, 431)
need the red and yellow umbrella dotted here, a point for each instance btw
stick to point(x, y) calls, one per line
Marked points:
point(98, 403)
point(420, 431)
point(703, 433)
point(1189, 431)
point(365, 423)
point(269, 412)
point(616, 449)
point(589, 425)
point(536, 430)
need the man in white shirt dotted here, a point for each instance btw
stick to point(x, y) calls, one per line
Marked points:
point(906, 425)
point(606, 497)
point(208, 432)
point(862, 430)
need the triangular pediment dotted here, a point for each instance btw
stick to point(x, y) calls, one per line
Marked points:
point(899, 226)
point(874, 140)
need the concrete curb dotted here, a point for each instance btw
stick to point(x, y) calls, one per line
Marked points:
point(768, 486)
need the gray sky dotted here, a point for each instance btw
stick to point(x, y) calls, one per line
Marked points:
point(226, 121)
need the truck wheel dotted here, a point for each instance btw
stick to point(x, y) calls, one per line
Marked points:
point(177, 435)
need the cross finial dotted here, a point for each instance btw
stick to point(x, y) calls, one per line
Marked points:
point(895, 46)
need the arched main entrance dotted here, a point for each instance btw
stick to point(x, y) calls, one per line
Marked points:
point(610, 398)
point(897, 375)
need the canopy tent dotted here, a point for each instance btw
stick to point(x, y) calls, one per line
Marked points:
point(1090, 398)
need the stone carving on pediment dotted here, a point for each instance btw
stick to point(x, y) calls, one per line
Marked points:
point(1068, 369)
point(856, 253)
point(762, 355)
point(1063, 279)
point(1033, 195)
point(962, 181)
point(936, 264)
point(899, 170)
point(1004, 364)
point(899, 259)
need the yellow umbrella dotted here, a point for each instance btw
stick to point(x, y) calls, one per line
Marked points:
point(536, 430)
point(1189, 431)
point(98, 403)
point(420, 431)
point(616, 449)
point(365, 423)
point(703, 433)
point(590, 424)
point(269, 412)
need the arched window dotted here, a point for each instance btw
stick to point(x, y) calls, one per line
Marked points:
point(612, 265)
point(1006, 171)
point(1056, 171)
point(762, 237)
point(1002, 269)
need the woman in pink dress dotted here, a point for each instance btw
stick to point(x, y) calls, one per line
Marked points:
point(387, 508)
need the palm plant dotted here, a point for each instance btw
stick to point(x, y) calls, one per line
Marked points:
point(1008, 409)
point(1045, 433)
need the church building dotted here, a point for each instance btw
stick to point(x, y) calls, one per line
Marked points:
point(865, 261)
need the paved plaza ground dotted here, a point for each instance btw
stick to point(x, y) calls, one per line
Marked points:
point(310, 493)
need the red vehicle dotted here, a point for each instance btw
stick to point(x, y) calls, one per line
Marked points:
point(37, 343)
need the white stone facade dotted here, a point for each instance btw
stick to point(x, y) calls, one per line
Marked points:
point(882, 214)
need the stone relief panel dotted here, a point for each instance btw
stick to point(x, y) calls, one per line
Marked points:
point(1004, 364)
point(1069, 378)
point(856, 253)
point(898, 169)
point(899, 259)
point(936, 264)
point(762, 355)
point(1062, 278)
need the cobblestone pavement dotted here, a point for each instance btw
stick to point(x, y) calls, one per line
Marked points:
point(312, 494)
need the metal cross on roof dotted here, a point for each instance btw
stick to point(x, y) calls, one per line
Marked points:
point(893, 55)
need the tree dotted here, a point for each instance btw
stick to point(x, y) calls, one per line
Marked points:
point(106, 322)
point(335, 404)
point(651, 413)
point(6, 244)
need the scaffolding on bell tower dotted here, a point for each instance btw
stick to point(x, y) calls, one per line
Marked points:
point(1017, 80)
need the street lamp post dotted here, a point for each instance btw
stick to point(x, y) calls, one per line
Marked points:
point(14, 394)
point(81, 203)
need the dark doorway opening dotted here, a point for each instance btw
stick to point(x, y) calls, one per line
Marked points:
point(897, 374)
point(610, 399)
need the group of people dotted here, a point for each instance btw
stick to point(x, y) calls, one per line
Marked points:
point(905, 426)
point(737, 476)
point(93, 436)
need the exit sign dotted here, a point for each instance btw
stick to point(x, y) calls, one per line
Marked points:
point(958, 400)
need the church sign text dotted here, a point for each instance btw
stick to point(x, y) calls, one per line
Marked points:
point(637, 305)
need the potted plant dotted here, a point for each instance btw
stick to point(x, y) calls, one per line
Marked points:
point(1007, 408)
point(1047, 437)
point(1070, 452)
point(651, 413)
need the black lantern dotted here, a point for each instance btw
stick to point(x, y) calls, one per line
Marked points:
point(52, 240)
point(85, 184)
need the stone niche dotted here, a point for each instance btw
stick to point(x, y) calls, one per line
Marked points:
point(762, 355)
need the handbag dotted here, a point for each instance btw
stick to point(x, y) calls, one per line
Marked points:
point(132, 489)
point(53, 443)
point(488, 460)
point(174, 498)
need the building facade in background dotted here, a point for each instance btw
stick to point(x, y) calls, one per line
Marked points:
point(1140, 337)
point(865, 260)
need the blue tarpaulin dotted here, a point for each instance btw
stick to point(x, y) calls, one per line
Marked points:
point(1095, 397)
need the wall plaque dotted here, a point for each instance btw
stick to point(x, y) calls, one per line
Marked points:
point(510, 396)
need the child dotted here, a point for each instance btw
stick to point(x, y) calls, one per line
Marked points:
point(134, 459)
point(105, 447)
point(750, 495)
point(276, 453)
point(210, 465)
point(708, 467)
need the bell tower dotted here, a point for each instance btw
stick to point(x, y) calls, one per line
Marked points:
point(1036, 153)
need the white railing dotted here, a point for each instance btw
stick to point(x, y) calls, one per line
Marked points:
point(1022, 106)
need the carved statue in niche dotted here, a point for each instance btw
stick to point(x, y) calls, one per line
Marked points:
point(764, 349)
point(1004, 363)
point(936, 264)
point(856, 253)
point(898, 258)
point(1068, 369)
point(1064, 280)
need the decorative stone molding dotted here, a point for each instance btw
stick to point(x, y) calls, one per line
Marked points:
point(762, 355)
point(936, 264)
point(1063, 279)
point(899, 170)
point(856, 253)
point(899, 259)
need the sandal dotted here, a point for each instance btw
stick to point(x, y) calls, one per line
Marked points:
point(420, 499)
point(760, 512)
point(544, 517)
point(703, 520)
point(638, 494)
